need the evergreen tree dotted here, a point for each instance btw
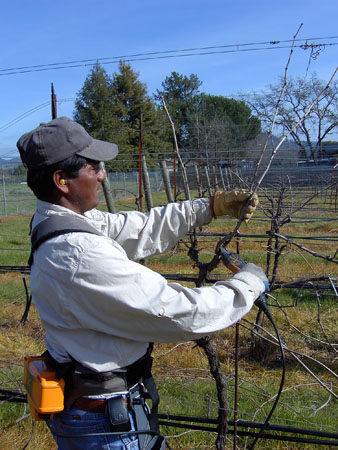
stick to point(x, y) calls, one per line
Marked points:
point(180, 94)
point(131, 105)
point(94, 105)
point(223, 123)
point(110, 108)
point(206, 121)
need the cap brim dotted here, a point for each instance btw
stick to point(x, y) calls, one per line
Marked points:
point(100, 151)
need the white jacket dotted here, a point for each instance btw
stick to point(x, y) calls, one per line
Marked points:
point(102, 308)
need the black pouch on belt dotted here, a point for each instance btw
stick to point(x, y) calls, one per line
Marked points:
point(117, 411)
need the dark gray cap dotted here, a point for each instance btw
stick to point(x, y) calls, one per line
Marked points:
point(59, 139)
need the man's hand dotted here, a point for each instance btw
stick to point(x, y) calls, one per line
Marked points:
point(231, 203)
point(256, 270)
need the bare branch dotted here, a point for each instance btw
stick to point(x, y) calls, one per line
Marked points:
point(291, 242)
point(277, 107)
point(184, 172)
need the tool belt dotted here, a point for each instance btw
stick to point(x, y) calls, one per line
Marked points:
point(81, 382)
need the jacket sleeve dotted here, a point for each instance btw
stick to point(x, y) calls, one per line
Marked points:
point(142, 235)
point(130, 301)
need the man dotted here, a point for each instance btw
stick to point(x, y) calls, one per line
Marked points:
point(99, 307)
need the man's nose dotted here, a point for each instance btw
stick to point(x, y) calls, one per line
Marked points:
point(101, 175)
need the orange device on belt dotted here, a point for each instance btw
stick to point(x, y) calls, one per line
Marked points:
point(45, 392)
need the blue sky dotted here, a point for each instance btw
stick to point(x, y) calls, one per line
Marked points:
point(39, 32)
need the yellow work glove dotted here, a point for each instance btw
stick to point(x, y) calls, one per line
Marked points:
point(231, 203)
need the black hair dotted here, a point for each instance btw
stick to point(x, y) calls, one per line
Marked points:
point(41, 180)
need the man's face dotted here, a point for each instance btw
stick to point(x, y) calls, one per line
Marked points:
point(84, 190)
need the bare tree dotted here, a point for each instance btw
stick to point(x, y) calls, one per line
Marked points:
point(299, 94)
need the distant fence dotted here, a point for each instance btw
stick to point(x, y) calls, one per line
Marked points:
point(16, 197)
point(126, 184)
point(232, 176)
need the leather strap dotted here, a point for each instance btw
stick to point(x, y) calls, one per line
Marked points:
point(90, 404)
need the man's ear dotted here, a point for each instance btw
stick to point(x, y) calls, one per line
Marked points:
point(60, 181)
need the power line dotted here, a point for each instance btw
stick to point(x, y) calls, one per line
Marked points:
point(23, 116)
point(31, 111)
point(9, 153)
point(198, 51)
point(166, 51)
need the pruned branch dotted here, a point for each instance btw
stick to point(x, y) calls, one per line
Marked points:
point(184, 172)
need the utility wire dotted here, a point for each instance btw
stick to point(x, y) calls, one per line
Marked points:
point(273, 42)
point(235, 48)
point(23, 116)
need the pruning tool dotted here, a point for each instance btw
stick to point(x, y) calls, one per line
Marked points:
point(234, 262)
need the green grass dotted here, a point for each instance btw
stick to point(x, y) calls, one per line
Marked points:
point(14, 240)
point(19, 199)
point(11, 288)
point(299, 406)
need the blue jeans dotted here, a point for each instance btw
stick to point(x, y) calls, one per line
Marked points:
point(68, 426)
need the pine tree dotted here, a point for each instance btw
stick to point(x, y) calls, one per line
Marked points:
point(131, 105)
point(180, 94)
point(94, 105)
point(110, 108)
